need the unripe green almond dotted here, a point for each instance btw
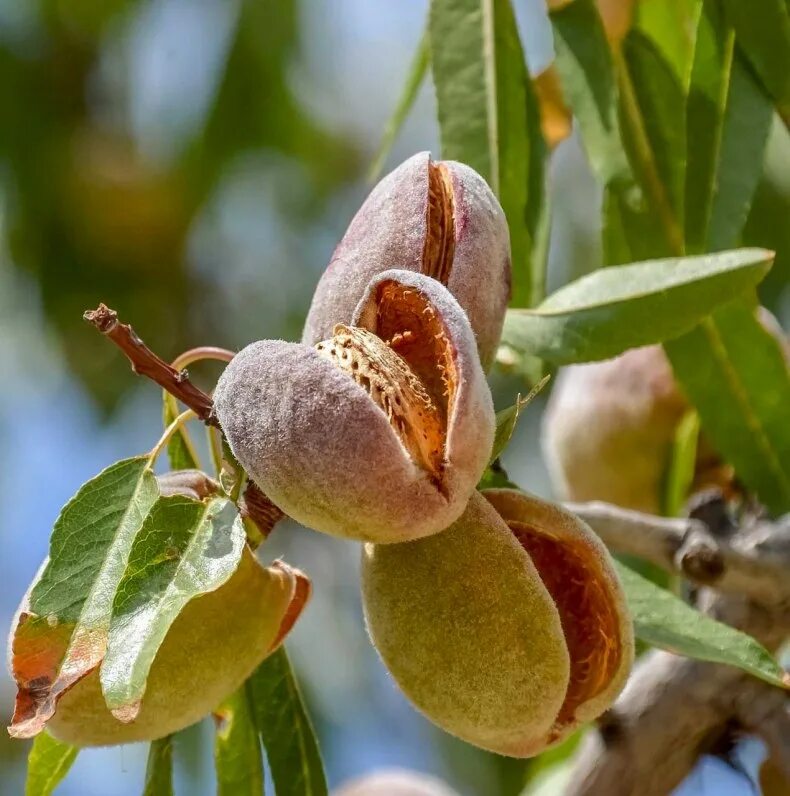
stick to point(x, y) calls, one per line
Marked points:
point(212, 647)
point(471, 635)
point(508, 630)
point(395, 782)
point(379, 433)
point(577, 570)
point(436, 218)
point(609, 428)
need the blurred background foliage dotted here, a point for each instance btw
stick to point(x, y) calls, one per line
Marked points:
point(192, 163)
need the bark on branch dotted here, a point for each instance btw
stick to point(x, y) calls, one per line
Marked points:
point(673, 709)
point(147, 363)
point(754, 563)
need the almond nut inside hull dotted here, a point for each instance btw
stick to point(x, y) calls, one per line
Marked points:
point(394, 388)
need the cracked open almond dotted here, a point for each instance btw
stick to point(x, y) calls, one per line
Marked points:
point(509, 629)
point(379, 432)
point(436, 218)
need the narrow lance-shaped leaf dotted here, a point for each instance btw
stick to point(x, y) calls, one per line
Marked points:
point(48, 763)
point(736, 375)
point(652, 123)
point(507, 419)
point(285, 729)
point(614, 309)
point(414, 80)
point(159, 769)
point(237, 748)
point(588, 82)
point(665, 621)
point(184, 549)
point(728, 120)
point(762, 28)
point(672, 28)
point(180, 449)
point(487, 113)
point(680, 473)
point(62, 632)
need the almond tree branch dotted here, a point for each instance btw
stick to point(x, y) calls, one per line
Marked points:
point(147, 363)
point(673, 709)
point(755, 564)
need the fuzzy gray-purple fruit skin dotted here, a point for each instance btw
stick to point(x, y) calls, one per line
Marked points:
point(389, 231)
point(327, 455)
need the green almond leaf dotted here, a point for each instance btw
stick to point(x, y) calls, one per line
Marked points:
point(672, 27)
point(487, 114)
point(736, 375)
point(159, 769)
point(506, 419)
point(48, 763)
point(683, 460)
point(652, 112)
point(763, 31)
point(414, 80)
point(285, 729)
point(629, 106)
point(728, 120)
point(64, 634)
point(180, 450)
point(588, 83)
point(613, 309)
point(665, 621)
point(185, 548)
point(237, 748)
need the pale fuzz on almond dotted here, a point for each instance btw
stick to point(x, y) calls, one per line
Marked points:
point(379, 432)
point(508, 630)
point(436, 218)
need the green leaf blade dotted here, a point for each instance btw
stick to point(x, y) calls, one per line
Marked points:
point(614, 309)
point(665, 621)
point(48, 763)
point(507, 419)
point(285, 729)
point(488, 115)
point(588, 82)
point(159, 769)
point(180, 450)
point(728, 120)
point(64, 633)
point(736, 375)
point(237, 748)
point(763, 31)
point(653, 129)
point(184, 549)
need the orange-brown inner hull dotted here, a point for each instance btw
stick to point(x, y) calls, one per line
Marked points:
point(413, 328)
point(587, 609)
point(439, 249)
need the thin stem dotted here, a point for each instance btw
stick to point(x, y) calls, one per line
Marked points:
point(179, 363)
point(202, 352)
point(168, 433)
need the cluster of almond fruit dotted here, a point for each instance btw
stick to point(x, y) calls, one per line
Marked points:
point(499, 615)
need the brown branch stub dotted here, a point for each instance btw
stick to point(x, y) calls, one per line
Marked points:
point(258, 508)
point(146, 363)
